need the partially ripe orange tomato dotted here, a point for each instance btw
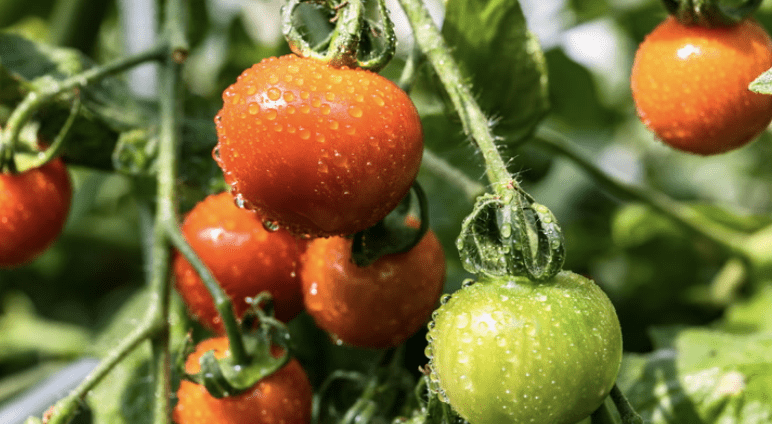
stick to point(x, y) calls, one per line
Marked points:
point(690, 85)
point(244, 257)
point(282, 397)
point(321, 150)
point(377, 306)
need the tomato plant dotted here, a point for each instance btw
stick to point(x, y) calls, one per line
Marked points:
point(508, 350)
point(33, 209)
point(319, 136)
point(244, 257)
point(690, 85)
point(321, 150)
point(284, 396)
point(376, 306)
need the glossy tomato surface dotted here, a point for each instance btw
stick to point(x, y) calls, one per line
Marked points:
point(690, 85)
point(323, 151)
point(511, 351)
point(377, 306)
point(282, 397)
point(244, 257)
point(33, 210)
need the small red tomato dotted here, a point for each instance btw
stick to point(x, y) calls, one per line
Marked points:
point(282, 397)
point(243, 256)
point(321, 150)
point(377, 306)
point(690, 85)
point(33, 209)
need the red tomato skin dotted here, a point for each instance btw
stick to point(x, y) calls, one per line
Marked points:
point(283, 397)
point(33, 210)
point(244, 258)
point(321, 150)
point(377, 306)
point(690, 85)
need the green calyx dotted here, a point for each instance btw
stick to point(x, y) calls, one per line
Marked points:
point(511, 234)
point(395, 233)
point(353, 41)
point(228, 377)
point(710, 13)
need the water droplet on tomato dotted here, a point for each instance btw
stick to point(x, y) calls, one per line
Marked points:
point(462, 319)
point(322, 167)
point(339, 160)
point(270, 225)
point(378, 100)
point(355, 111)
point(253, 108)
point(289, 96)
point(334, 125)
point(325, 109)
point(271, 114)
point(273, 93)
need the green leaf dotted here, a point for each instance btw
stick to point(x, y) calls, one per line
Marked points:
point(107, 105)
point(31, 62)
point(504, 61)
point(763, 83)
point(635, 224)
point(751, 315)
point(706, 376)
point(24, 333)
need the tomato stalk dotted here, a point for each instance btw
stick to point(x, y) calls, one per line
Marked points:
point(734, 241)
point(354, 41)
point(523, 225)
point(709, 13)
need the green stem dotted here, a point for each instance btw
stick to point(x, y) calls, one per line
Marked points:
point(53, 150)
point(626, 411)
point(345, 38)
point(474, 121)
point(688, 217)
point(64, 410)
point(451, 175)
point(35, 99)
point(221, 301)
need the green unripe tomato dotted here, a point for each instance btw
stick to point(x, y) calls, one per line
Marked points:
point(507, 350)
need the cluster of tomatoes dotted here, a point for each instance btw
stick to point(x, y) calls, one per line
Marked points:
point(313, 154)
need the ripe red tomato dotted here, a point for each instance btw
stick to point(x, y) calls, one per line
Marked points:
point(690, 85)
point(283, 397)
point(321, 150)
point(377, 306)
point(243, 256)
point(507, 350)
point(33, 209)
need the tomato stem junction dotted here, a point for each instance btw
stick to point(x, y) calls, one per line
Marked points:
point(709, 13)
